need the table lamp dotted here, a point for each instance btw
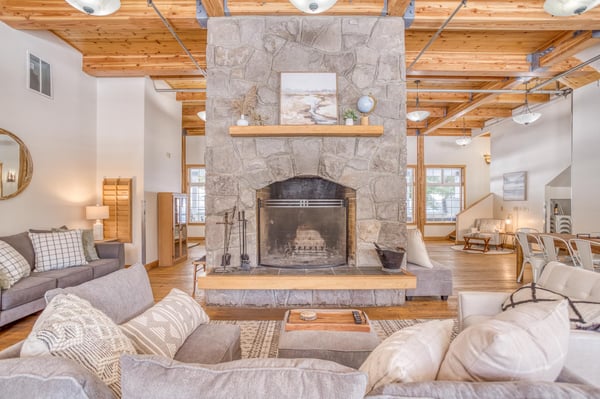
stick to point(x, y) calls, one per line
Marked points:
point(97, 212)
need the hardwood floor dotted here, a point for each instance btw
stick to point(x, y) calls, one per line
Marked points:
point(470, 272)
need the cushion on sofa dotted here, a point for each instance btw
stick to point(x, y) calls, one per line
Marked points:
point(121, 295)
point(22, 243)
point(49, 377)
point(102, 267)
point(26, 290)
point(485, 390)
point(68, 276)
point(211, 344)
point(412, 354)
point(13, 266)
point(89, 248)
point(71, 328)
point(416, 252)
point(162, 329)
point(526, 343)
point(247, 378)
point(57, 250)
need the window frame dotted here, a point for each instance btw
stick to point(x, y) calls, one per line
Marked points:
point(463, 190)
point(414, 195)
point(188, 192)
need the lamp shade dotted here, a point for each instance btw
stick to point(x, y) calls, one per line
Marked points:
point(418, 116)
point(566, 8)
point(313, 6)
point(96, 212)
point(463, 141)
point(96, 7)
point(526, 117)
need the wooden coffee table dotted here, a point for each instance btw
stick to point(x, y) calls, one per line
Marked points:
point(327, 320)
point(476, 238)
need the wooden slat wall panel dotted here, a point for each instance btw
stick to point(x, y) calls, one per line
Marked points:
point(117, 195)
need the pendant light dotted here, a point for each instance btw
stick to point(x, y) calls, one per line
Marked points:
point(567, 8)
point(96, 7)
point(202, 115)
point(526, 116)
point(313, 6)
point(464, 140)
point(418, 115)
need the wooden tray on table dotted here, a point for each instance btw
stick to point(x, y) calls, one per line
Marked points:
point(327, 320)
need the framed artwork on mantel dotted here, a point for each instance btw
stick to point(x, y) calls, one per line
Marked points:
point(514, 187)
point(308, 99)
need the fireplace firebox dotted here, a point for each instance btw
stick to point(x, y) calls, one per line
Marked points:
point(303, 223)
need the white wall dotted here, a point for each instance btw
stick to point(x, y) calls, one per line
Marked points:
point(162, 156)
point(59, 132)
point(139, 137)
point(542, 149)
point(440, 150)
point(585, 172)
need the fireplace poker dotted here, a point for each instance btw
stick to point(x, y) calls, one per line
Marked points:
point(244, 258)
point(226, 257)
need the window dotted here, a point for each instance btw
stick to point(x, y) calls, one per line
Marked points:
point(410, 194)
point(117, 194)
point(444, 193)
point(196, 180)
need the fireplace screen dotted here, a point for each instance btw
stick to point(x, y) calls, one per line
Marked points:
point(302, 232)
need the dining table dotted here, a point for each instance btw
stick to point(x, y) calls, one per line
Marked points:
point(559, 244)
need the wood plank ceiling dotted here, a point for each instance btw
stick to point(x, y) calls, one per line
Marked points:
point(485, 46)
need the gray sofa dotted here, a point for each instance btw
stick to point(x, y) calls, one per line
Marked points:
point(27, 295)
point(208, 366)
point(436, 281)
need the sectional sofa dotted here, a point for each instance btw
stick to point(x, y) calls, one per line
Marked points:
point(27, 295)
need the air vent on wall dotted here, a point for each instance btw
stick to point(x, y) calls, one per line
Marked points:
point(39, 76)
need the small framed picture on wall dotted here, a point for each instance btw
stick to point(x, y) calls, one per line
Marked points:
point(514, 186)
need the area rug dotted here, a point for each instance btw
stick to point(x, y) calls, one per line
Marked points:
point(492, 251)
point(259, 338)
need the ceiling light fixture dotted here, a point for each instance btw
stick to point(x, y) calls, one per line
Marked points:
point(96, 7)
point(464, 140)
point(418, 115)
point(313, 6)
point(567, 8)
point(202, 115)
point(526, 116)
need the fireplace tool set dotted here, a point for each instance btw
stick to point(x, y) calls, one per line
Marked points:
point(228, 221)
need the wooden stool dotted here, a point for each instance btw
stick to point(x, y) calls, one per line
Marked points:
point(199, 266)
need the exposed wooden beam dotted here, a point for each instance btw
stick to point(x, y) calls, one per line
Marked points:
point(191, 96)
point(284, 7)
point(484, 112)
point(214, 8)
point(468, 124)
point(567, 45)
point(464, 108)
point(155, 65)
point(498, 15)
point(195, 132)
point(433, 111)
point(397, 7)
point(438, 132)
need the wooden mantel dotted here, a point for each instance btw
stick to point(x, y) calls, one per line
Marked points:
point(306, 130)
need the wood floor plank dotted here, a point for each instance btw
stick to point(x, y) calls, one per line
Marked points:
point(471, 272)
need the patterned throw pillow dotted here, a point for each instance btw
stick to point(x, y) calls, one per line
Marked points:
point(57, 250)
point(13, 266)
point(162, 329)
point(70, 327)
point(88, 245)
point(583, 314)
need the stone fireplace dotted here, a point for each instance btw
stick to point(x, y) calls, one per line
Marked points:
point(368, 173)
point(303, 222)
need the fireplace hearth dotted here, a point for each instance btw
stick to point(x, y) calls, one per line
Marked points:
point(303, 223)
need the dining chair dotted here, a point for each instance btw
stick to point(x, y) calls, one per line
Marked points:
point(536, 260)
point(584, 253)
point(551, 250)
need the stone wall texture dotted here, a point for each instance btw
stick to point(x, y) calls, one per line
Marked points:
point(367, 54)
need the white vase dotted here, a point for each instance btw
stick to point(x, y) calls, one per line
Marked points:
point(242, 121)
point(349, 121)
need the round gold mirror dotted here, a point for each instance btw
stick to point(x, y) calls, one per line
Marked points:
point(16, 165)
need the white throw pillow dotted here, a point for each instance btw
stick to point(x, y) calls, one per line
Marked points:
point(416, 252)
point(527, 343)
point(70, 327)
point(413, 354)
point(163, 328)
point(13, 266)
point(57, 250)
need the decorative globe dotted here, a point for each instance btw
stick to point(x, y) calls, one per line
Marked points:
point(366, 104)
